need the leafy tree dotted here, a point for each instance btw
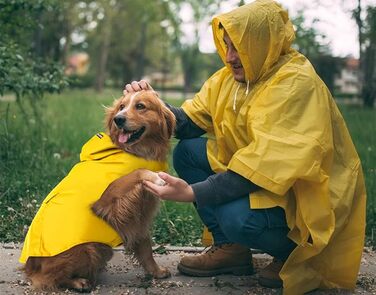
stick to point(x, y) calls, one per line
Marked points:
point(146, 43)
point(368, 55)
point(22, 71)
point(190, 59)
point(312, 44)
point(366, 42)
point(308, 40)
point(188, 51)
point(127, 39)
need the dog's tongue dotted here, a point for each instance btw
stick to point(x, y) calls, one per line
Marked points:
point(124, 137)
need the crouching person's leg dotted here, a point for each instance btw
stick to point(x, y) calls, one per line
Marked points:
point(191, 164)
point(263, 229)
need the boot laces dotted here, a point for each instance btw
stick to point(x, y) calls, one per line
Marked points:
point(211, 249)
point(214, 248)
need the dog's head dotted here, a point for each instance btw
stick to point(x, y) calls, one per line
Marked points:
point(141, 124)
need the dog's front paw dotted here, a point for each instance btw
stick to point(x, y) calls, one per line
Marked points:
point(159, 181)
point(81, 285)
point(153, 177)
point(161, 273)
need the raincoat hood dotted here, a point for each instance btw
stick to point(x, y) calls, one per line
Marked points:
point(65, 218)
point(260, 31)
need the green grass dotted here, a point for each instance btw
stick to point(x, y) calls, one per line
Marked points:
point(362, 123)
point(36, 153)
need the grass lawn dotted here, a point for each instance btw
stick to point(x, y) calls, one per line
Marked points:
point(37, 152)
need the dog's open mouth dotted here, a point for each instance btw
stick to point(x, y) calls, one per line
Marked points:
point(127, 136)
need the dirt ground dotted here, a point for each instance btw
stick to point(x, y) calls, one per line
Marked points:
point(124, 277)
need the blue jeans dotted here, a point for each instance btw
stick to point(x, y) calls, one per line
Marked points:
point(235, 221)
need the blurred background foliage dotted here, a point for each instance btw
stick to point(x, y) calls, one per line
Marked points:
point(124, 40)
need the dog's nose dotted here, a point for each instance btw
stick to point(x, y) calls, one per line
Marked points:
point(119, 121)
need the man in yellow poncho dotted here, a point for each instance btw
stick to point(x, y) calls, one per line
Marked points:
point(278, 170)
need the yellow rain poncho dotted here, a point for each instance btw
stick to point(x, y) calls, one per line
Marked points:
point(65, 218)
point(287, 136)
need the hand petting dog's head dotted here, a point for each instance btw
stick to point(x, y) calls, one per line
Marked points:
point(141, 124)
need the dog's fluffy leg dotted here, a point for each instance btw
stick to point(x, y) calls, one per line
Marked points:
point(130, 209)
point(123, 185)
point(144, 254)
point(53, 280)
point(76, 268)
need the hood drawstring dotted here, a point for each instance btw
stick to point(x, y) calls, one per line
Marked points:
point(236, 95)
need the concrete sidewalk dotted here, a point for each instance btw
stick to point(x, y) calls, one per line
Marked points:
point(125, 277)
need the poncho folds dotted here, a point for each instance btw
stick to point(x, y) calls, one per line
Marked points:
point(287, 136)
point(65, 218)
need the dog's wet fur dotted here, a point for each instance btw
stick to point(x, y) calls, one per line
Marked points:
point(140, 124)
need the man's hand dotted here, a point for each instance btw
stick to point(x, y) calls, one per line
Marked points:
point(175, 189)
point(135, 86)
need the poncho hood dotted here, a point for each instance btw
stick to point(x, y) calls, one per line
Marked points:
point(260, 31)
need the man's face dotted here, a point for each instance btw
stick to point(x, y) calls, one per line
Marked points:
point(232, 58)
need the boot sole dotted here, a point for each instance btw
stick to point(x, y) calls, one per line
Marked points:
point(236, 270)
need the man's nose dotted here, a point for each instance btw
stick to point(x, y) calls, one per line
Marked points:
point(231, 55)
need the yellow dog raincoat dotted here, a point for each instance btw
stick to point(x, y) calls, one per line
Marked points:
point(65, 218)
point(286, 134)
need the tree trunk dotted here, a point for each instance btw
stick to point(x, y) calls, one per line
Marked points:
point(68, 11)
point(359, 23)
point(368, 56)
point(140, 69)
point(103, 55)
point(68, 41)
point(369, 86)
point(38, 37)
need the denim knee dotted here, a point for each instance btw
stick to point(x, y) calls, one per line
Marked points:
point(180, 155)
point(263, 229)
point(191, 161)
point(239, 231)
point(239, 223)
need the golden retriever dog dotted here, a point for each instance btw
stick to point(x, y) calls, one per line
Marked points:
point(140, 124)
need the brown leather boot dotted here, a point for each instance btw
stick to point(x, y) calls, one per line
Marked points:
point(223, 259)
point(269, 276)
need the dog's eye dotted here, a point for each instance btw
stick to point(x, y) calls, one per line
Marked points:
point(140, 106)
point(121, 107)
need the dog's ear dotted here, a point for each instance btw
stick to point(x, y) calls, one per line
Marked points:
point(170, 121)
point(109, 114)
